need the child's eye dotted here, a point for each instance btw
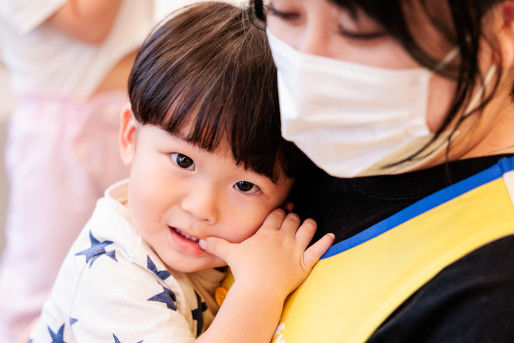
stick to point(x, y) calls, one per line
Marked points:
point(183, 161)
point(247, 187)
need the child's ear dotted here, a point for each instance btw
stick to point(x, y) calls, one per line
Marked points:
point(127, 137)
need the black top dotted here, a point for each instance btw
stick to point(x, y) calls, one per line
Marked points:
point(471, 300)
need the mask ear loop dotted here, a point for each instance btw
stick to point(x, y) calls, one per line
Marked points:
point(447, 59)
point(478, 96)
point(474, 100)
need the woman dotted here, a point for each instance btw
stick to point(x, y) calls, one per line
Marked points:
point(407, 108)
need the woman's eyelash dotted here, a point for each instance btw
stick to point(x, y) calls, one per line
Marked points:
point(361, 35)
point(342, 31)
point(283, 15)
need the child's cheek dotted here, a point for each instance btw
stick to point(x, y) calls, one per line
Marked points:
point(240, 230)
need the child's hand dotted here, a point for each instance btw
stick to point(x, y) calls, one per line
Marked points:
point(275, 259)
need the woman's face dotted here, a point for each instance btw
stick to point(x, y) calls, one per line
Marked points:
point(319, 27)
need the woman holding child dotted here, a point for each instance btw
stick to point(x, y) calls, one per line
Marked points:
point(407, 109)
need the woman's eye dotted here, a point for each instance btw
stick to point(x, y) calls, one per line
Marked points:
point(183, 161)
point(284, 15)
point(361, 35)
point(359, 26)
point(247, 187)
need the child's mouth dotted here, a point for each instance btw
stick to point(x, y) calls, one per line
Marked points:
point(185, 242)
point(183, 234)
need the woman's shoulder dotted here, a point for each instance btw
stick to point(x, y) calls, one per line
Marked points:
point(470, 300)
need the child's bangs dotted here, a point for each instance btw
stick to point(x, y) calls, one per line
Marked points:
point(199, 117)
point(208, 75)
point(231, 109)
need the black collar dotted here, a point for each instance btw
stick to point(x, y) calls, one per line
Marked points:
point(348, 206)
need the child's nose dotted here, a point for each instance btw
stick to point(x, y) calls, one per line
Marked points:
point(201, 204)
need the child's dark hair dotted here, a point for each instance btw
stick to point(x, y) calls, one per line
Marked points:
point(210, 70)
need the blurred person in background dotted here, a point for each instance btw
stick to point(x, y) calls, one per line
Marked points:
point(69, 62)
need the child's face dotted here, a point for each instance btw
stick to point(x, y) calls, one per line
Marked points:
point(179, 193)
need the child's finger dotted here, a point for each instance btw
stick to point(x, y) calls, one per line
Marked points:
point(274, 219)
point(305, 233)
point(216, 246)
point(290, 224)
point(315, 251)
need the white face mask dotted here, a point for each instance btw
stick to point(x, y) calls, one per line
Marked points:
point(351, 119)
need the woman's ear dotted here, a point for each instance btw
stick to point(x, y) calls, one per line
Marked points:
point(508, 10)
point(506, 34)
point(127, 137)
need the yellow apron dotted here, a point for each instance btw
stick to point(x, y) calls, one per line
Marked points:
point(361, 281)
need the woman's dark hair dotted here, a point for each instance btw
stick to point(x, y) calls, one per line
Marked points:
point(207, 70)
point(460, 23)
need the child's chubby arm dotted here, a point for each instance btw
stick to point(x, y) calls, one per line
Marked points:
point(266, 267)
point(89, 21)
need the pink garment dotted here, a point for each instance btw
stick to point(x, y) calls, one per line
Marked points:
point(60, 157)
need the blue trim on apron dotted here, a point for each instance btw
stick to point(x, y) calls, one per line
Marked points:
point(424, 205)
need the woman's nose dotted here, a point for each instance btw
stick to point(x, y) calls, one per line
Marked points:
point(314, 41)
point(201, 204)
point(316, 30)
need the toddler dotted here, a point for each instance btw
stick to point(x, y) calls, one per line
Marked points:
point(208, 168)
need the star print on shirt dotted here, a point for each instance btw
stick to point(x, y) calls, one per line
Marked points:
point(116, 339)
point(73, 320)
point(162, 274)
point(59, 336)
point(97, 249)
point(198, 314)
point(167, 297)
